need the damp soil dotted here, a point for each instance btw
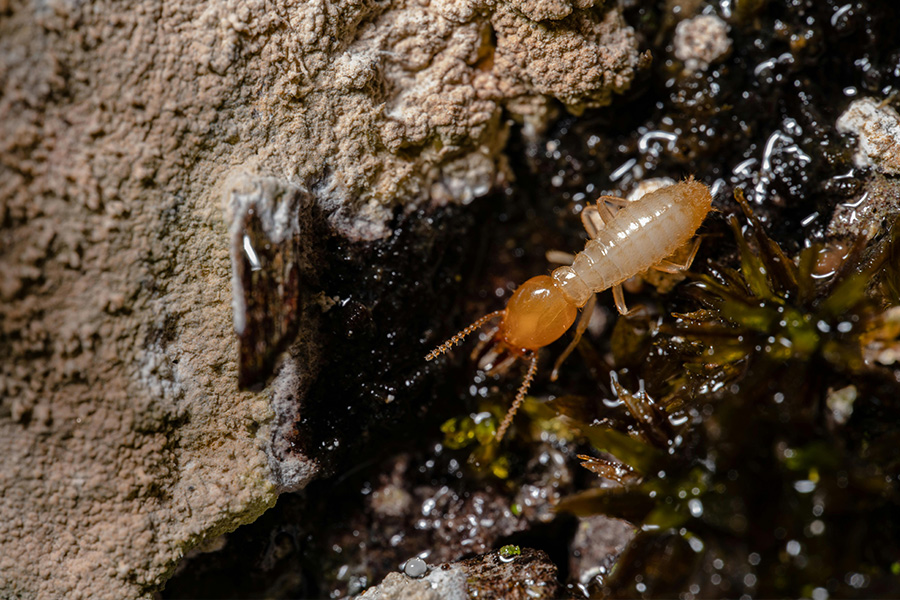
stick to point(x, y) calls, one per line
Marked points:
point(395, 486)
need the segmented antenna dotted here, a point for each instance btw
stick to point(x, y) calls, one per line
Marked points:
point(520, 397)
point(456, 339)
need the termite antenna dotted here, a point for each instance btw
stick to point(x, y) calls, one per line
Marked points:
point(520, 397)
point(456, 339)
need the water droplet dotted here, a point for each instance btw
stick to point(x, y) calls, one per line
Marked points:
point(428, 506)
point(415, 567)
point(804, 486)
point(509, 553)
point(857, 580)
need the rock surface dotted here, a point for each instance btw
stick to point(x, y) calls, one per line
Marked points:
point(869, 212)
point(597, 544)
point(877, 127)
point(123, 131)
point(530, 575)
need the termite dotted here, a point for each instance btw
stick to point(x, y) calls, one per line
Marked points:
point(641, 235)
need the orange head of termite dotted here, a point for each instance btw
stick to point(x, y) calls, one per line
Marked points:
point(537, 314)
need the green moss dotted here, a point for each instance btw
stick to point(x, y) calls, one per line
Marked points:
point(477, 433)
point(743, 467)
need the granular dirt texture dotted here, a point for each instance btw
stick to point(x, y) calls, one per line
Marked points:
point(123, 133)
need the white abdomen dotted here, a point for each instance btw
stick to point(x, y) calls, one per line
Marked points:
point(640, 236)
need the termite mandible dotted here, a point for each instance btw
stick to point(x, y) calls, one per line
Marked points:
point(641, 235)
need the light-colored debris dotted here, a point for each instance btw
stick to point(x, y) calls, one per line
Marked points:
point(701, 41)
point(877, 128)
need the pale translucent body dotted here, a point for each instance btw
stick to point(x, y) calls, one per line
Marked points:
point(640, 235)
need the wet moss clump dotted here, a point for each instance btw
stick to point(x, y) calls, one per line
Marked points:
point(767, 466)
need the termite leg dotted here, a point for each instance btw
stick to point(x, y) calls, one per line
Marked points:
point(614, 200)
point(506, 363)
point(520, 396)
point(667, 266)
point(559, 257)
point(484, 341)
point(583, 321)
point(619, 297)
point(594, 218)
point(592, 221)
point(456, 339)
point(487, 359)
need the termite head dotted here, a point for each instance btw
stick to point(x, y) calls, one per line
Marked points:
point(537, 314)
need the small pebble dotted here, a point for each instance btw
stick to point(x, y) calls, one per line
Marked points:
point(877, 126)
point(701, 41)
point(415, 567)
